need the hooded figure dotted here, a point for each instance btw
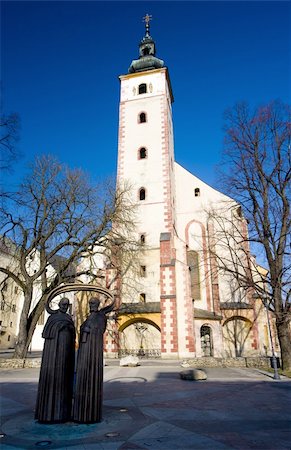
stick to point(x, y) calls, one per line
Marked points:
point(89, 377)
point(55, 387)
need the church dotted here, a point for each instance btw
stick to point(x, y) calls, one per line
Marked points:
point(179, 299)
point(180, 304)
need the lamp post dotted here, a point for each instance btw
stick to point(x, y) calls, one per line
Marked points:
point(274, 359)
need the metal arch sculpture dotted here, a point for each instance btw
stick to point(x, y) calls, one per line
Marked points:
point(70, 287)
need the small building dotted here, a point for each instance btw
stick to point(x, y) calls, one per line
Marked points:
point(11, 299)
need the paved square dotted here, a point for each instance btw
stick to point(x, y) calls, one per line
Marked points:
point(151, 407)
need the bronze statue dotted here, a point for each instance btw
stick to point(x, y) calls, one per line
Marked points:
point(89, 377)
point(55, 388)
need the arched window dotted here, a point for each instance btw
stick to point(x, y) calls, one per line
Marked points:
point(146, 51)
point(197, 192)
point(236, 335)
point(142, 118)
point(142, 239)
point(142, 153)
point(206, 340)
point(142, 88)
point(142, 297)
point(142, 194)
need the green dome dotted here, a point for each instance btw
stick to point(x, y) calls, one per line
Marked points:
point(147, 55)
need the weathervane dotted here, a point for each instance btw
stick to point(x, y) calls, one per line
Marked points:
point(147, 18)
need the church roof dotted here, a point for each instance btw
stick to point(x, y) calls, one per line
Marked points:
point(235, 305)
point(134, 308)
point(205, 314)
point(147, 52)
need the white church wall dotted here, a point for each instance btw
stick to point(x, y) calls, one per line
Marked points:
point(150, 215)
point(193, 221)
point(196, 244)
point(155, 80)
point(150, 218)
point(178, 203)
point(134, 285)
point(188, 205)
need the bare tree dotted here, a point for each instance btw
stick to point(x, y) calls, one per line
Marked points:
point(53, 222)
point(257, 175)
point(9, 129)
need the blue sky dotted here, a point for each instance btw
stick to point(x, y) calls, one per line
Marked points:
point(61, 61)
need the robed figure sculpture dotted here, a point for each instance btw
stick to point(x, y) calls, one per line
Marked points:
point(89, 375)
point(55, 388)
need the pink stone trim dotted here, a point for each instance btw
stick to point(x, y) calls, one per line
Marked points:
point(121, 137)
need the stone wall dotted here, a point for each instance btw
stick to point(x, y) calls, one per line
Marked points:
point(11, 363)
point(258, 362)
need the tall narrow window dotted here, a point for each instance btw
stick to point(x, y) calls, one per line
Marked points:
point(142, 153)
point(143, 271)
point(197, 192)
point(142, 297)
point(193, 263)
point(142, 194)
point(142, 239)
point(142, 89)
point(142, 118)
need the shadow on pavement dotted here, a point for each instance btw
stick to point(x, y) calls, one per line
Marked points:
point(147, 407)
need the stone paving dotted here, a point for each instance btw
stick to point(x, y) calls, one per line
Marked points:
point(150, 407)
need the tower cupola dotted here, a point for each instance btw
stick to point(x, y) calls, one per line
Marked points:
point(147, 52)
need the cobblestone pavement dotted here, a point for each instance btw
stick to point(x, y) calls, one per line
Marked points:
point(150, 407)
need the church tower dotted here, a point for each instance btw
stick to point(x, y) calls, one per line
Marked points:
point(146, 161)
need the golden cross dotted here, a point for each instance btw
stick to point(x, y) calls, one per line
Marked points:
point(147, 18)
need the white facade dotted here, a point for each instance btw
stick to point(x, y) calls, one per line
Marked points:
point(180, 288)
point(156, 137)
point(11, 300)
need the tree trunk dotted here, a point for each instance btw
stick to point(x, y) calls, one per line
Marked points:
point(23, 342)
point(285, 343)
